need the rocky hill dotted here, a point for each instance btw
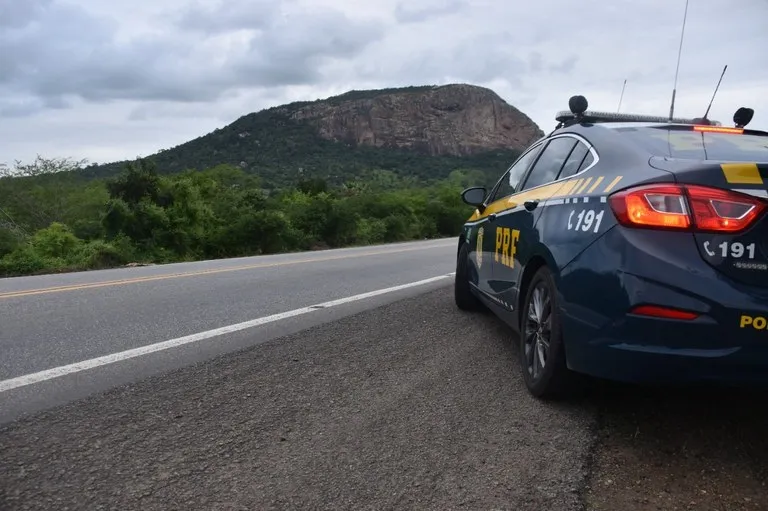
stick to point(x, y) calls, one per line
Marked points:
point(425, 132)
point(455, 120)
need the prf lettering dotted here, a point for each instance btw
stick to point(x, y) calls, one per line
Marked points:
point(506, 245)
point(756, 322)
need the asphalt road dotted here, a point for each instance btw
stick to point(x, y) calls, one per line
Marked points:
point(51, 321)
point(397, 401)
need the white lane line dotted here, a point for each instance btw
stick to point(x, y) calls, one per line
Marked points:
point(56, 372)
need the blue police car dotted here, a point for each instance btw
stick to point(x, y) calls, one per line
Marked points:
point(627, 247)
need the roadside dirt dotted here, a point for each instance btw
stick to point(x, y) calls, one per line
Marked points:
point(679, 449)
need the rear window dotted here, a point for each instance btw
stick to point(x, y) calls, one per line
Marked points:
point(685, 143)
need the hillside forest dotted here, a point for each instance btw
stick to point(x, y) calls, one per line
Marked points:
point(56, 216)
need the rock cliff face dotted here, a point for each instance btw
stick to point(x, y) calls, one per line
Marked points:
point(454, 120)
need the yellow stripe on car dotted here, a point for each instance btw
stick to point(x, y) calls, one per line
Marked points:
point(550, 191)
point(575, 187)
point(612, 184)
point(512, 201)
point(567, 188)
point(585, 185)
point(742, 173)
point(597, 183)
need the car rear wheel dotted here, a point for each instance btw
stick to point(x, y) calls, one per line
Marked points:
point(465, 300)
point(542, 354)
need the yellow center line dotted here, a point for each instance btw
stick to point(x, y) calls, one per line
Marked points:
point(151, 278)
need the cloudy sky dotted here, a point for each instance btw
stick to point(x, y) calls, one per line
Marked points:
point(114, 79)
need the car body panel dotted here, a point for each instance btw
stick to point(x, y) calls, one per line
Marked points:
point(603, 269)
point(480, 253)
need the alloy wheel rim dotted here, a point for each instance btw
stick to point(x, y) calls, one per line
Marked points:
point(538, 331)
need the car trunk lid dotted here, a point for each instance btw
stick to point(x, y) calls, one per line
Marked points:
point(738, 189)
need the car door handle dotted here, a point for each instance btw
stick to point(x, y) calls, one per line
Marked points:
point(530, 205)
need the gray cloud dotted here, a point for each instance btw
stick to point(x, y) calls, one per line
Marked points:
point(15, 14)
point(293, 50)
point(110, 80)
point(483, 59)
point(20, 108)
point(535, 62)
point(565, 66)
point(55, 49)
point(23, 106)
point(228, 16)
point(409, 12)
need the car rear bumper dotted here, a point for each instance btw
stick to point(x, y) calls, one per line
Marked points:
point(727, 342)
point(679, 353)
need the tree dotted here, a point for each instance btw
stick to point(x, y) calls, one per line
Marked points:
point(313, 186)
point(41, 167)
point(36, 194)
point(139, 181)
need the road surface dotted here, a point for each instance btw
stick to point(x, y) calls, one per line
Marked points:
point(51, 321)
point(396, 401)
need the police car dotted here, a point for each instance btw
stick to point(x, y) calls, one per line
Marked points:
point(627, 247)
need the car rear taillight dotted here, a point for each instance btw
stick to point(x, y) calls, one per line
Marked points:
point(686, 207)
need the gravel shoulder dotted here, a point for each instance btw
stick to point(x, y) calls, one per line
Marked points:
point(671, 449)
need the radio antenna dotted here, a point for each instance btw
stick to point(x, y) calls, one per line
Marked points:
point(677, 71)
point(622, 95)
point(716, 88)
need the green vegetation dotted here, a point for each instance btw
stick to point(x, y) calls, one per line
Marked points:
point(54, 217)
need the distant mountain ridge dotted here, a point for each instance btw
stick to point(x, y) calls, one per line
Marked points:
point(421, 131)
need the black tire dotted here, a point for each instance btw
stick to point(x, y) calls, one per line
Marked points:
point(541, 317)
point(465, 300)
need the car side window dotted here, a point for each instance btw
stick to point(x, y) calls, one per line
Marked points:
point(511, 180)
point(574, 163)
point(587, 162)
point(552, 158)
